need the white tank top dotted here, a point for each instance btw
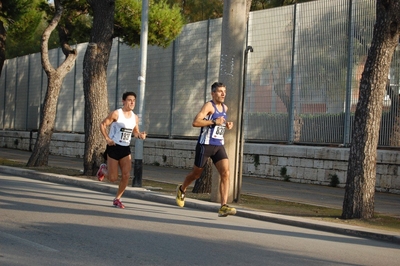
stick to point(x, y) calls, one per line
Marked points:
point(121, 130)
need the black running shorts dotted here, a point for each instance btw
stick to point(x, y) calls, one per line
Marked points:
point(118, 152)
point(203, 152)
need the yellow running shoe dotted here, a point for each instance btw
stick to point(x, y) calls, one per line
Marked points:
point(180, 197)
point(225, 210)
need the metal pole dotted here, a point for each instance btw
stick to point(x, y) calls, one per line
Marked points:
point(138, 166)
point(241, 131)
point(5, 93)
point(117, 93)
point(28, 93)
point(171, 113)
point(347, 111)
point(292, 76)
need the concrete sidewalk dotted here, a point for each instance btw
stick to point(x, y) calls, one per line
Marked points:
point(288, 191)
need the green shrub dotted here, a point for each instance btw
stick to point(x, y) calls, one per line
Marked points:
point(334, 180)
point(284, 174)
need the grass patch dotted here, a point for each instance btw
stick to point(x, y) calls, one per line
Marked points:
point(12, 163)
point(381, 222)
point(286, 207)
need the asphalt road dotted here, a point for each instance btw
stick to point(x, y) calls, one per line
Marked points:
point(44, 223)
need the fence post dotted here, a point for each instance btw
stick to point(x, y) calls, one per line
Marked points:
point(5, 91)
point(27, 95)
point(74, 96)
point(206, 90)
point(171, 113)
point(346, 133)
point(292, 81)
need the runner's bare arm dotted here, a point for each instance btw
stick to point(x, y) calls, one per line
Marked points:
point(199, 121)
point(136, 132)
point(229, 125)
point(113, 116)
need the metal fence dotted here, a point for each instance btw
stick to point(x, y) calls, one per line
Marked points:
point(301, 84)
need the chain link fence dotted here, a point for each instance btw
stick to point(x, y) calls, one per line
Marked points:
point(302, 79)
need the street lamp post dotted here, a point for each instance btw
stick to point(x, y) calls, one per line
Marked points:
point(138, 165)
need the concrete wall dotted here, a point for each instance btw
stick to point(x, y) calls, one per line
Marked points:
point(304, 164)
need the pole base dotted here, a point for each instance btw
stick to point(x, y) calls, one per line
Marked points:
point(137, 173)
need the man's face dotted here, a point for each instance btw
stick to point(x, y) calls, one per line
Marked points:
point(130, 102)
point(219, 95)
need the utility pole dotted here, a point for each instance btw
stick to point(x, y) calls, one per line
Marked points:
point(233, 44)
point(138, 165)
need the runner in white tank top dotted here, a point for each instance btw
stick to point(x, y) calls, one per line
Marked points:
point(121, 130)
point(122, 123)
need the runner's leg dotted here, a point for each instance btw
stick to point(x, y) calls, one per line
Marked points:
point(126, 165)
point(112, 167)
point(223, 170)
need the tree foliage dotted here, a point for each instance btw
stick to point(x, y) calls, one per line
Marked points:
point(265, 4)
point(165, 22)
point(33, 16)
point(197, 10)
point(12, 10)
point(74, 26)
point(15, 15)
point(24, 35)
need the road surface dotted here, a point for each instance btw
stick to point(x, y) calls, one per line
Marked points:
point(45, 223)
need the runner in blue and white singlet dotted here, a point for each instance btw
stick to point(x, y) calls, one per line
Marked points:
point(212, 121)
point(213, 135)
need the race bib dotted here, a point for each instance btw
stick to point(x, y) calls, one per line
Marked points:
point(218, 132)
point(126, 134)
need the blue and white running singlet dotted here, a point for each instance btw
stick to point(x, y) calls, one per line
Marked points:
point(213, 135)
point(121, 130)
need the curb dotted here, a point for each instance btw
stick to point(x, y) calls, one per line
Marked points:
point(144, 194)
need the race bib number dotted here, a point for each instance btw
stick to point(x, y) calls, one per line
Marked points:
point(126, 134)
point(218, 132)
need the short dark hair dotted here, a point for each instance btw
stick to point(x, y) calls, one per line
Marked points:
point(128, 93)
point(216, 85)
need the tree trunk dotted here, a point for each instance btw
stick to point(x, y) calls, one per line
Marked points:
point(40, 153)
point(55, 77)
point(233, 41)
point(361, 174)
point(95, 65)
point(203, 184)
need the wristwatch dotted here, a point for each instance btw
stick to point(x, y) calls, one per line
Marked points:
point(214, 122)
